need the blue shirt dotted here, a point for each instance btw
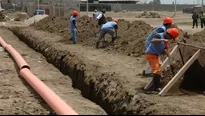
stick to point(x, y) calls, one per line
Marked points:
point(73, 23)
point(109, 25)
point(95, 14)
point(156, 48)
point(159, 29)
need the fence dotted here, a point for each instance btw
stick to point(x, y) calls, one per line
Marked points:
point(61, 7)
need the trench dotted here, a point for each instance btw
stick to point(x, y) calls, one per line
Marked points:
point(99, 88)
point(194, 78)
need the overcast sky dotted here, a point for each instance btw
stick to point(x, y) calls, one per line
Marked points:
point(180, 1)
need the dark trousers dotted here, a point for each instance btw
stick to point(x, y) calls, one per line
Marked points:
point(195, 22)
point(202, 23)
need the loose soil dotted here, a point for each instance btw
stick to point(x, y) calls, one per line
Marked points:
point(110, 80)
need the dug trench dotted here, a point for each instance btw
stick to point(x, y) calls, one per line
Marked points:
point(107, 79)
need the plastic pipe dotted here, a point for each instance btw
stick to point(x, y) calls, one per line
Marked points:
point(55, 102)
point(3, 43)
point(17, 57)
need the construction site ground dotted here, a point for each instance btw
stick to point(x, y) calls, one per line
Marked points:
point(84, 76)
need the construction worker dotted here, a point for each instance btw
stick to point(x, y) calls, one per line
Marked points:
point(109, 27)
point(95, 14)
point(73, 26)
point(157, 47)
point(101, 19)
point(202, 19)
point(167, 23)
point(195, 18)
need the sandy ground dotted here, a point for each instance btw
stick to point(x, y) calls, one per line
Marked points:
point(17, 97)
point(184, 104)
point(123, 71)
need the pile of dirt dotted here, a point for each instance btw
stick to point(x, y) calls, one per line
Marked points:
point(146, 14)
point(17, 16)
point(21, 17)
point(131, 36)
point(197, 39)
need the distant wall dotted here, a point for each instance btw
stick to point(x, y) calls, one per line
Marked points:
point(134, 7)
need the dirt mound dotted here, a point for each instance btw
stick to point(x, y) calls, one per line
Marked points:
point(21, 17)
point(197, 39)
point(17, 16)
point(130, 35)
point(130, 41)
point(149, 15)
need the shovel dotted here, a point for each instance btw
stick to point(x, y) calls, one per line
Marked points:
point(169, 59)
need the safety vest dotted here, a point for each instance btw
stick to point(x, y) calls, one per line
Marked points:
point(202, 16)
point(102, 20)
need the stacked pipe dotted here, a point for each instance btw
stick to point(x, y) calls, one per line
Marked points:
point(53, 100)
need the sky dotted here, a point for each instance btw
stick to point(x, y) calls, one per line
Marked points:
point(180, 1)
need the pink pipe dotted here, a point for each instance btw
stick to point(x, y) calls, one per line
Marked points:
point(59, 106)
point(3, 43)
point(17, 57)
point(54, 101)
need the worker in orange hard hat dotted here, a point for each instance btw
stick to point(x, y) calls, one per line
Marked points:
point(167, 23)
point(73, 26)
point(95, 14)
point(157, 47)
point(111, 28)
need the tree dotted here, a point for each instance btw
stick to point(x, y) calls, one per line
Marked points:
point(156, 1)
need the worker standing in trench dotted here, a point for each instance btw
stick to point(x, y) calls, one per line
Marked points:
point(157, 47)
point(111, 28)
point(167, 23)
point(73, 26)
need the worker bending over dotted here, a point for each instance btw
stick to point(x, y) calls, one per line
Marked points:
point(156, 48)
point(109, 27)
point(73, 26)
point(167, 23)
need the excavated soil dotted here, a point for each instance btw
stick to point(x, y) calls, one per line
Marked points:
point(130, 41)
point(131, 36)
point(111, 83)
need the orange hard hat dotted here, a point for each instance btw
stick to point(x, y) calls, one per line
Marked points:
point(75, 13)
point(115, 20)
point(173, 32)
point(167, 20)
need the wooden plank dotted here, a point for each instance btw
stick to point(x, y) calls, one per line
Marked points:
point(180, 73)
point(190, 45)
point(164, 64)
point(166, 61)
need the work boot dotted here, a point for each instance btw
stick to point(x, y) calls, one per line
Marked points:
point(105, 44)
point(113, 40)
point(97, 44)
point(156, 82)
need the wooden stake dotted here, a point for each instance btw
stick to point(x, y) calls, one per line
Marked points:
point(180, 73)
